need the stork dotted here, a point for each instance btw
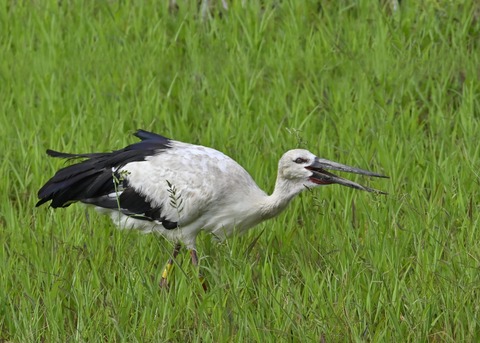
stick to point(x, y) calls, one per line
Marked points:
point(178, 190)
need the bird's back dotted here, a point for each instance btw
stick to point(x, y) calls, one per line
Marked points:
point(192, 183)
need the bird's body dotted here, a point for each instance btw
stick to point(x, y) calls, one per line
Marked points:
point(213, 193)
point(178, 189)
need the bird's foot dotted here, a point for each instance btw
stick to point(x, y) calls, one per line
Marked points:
point(166, 274)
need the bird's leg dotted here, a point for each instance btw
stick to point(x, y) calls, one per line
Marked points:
point(193, 254)
point(168, 268)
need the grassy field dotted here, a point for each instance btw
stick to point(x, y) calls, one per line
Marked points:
point(397, 93)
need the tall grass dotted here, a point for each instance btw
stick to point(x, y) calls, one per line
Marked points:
point(349, 80)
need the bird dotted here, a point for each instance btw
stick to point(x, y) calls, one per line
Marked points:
point(178, 189)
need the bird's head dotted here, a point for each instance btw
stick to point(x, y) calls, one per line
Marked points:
point(304, 168)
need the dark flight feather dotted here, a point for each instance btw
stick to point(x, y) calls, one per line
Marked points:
point(94, 176)
point(133, 204)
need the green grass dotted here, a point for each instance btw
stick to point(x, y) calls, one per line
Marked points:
point(395, 93)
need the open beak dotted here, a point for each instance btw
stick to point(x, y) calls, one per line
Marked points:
point(322, 177)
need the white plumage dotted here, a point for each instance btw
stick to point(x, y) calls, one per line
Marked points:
point(178, 189)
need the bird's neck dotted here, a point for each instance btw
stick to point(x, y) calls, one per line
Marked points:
point(283, 193)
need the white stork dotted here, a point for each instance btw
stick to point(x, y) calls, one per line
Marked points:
point(178, 189)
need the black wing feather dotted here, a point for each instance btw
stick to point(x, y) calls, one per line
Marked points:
point(133, 204)
point(145, 135)
point(94, 177)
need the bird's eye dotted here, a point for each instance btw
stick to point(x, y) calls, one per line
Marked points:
point(300, 160)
